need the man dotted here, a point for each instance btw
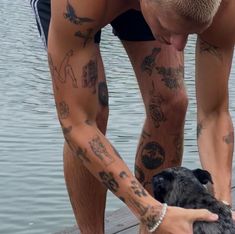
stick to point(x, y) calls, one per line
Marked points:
point(81, 98)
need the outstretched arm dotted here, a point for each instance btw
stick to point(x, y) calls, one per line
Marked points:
point(73, 60)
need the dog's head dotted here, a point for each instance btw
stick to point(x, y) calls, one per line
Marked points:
point(172, 184)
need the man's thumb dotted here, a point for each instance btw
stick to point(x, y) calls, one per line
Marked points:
point(203, 215)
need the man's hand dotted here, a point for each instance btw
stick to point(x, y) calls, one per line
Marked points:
point(180, 221)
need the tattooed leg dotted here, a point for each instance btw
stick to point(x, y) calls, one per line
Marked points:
point(86, 193)
point(159, 71)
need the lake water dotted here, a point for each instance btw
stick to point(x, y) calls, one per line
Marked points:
point(33, 197)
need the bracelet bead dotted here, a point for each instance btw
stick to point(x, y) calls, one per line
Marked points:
point(163, 213)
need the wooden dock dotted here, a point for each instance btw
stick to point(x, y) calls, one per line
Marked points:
point(122, 221)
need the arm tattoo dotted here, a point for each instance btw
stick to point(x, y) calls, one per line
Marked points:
point(90, 75)
point(73, 18)
point(149, 214)
point(151, 217)
point(138, 189)
point(78, 151)
point(139, 174)
point(100, 151)
point(103, 93)
point(152, 155)
point(211, 49)
point(139, 208)
point(66, 130)
point(87, 36)
point(229, 139)
point(63, 110)
point(172, 77)
point(199, 129)
point(82, 154)
point(123, 175)
point(65, 70)
point(109, 181)
point(149, 61)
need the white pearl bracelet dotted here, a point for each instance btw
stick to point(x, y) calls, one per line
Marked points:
point(163, 213)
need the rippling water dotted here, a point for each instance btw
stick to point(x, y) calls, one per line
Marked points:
point(33, 198)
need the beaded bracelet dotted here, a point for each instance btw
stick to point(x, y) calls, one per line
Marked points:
point(163, 213)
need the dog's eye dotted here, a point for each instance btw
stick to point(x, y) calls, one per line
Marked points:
point(168, 176)
point(161, 179)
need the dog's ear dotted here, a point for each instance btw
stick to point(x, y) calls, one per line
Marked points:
point(203, 176)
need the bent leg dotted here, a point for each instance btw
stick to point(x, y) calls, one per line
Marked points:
point(87, 195)
point(159, 71)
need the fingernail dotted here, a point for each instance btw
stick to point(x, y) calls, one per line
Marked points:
point(214, 216)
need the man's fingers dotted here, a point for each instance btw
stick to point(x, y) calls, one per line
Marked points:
point(233, 216)
point(203, 215)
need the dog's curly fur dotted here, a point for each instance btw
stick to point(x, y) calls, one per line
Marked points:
point(185, 188)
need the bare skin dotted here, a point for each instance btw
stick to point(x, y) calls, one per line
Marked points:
point(213, 62)
point(216, 134)
point(76, 69)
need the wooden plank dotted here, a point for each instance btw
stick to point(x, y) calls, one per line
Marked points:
point(115, 222)
point(131, 230)
point(73, 230)
point(120, 220)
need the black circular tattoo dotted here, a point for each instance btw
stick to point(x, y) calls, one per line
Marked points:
point(152, 155)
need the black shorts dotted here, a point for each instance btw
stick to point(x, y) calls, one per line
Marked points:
point(129, 26)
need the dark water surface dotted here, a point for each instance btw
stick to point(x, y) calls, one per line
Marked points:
point(33, 198)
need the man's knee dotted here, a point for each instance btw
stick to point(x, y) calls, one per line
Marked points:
point(178, 104)
point(167, 108)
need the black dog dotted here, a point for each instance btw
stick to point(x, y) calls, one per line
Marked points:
point(185, 188)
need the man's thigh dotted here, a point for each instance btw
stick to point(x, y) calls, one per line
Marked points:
point(157, 66)
point(159, 70)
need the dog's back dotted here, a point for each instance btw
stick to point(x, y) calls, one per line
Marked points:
point(184, 188)
point(225, 223)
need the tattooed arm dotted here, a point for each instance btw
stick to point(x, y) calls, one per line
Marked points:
point(75, 64)
point(215, 129)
